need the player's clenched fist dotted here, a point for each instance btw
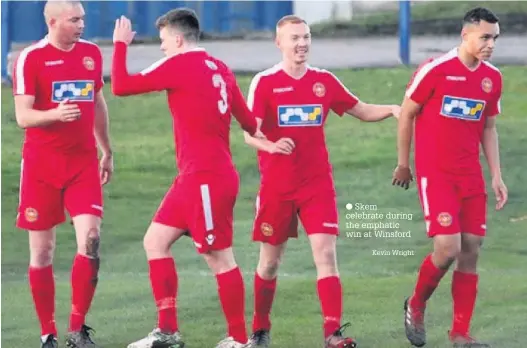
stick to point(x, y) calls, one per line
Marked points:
point(402, 176)
point(66, 112)
point(284, 146)
point(123, 31)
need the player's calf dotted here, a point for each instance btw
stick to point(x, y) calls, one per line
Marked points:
point(231, 291)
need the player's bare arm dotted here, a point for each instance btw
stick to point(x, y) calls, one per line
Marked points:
point(374, 112)
point(102, 135)
point(490, 144)
point(402, 174)
point(28, 117)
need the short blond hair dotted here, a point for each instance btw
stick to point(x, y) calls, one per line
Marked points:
point(289, 19)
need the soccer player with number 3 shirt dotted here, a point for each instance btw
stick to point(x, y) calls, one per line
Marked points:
point(202, 94)
point(293, 101)
point(59, 102)
point(454, 101)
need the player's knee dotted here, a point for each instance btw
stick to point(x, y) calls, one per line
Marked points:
point(220, 261)
point(42, 256)
point(268, 268)
point(446, 253)
point(41, 249)
point(325, 255)
point(92, 243)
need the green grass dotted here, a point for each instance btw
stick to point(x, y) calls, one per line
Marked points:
point(374, 286)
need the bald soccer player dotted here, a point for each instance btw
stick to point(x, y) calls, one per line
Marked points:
point(60, 105)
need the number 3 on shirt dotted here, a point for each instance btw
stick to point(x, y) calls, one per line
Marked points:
point(219, 82)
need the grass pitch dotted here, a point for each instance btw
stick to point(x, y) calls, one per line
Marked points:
point(363, 157)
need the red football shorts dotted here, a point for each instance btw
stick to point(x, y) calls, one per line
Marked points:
point(51, 183)
point(277, 216)
point(202, 204)
point(453, 205)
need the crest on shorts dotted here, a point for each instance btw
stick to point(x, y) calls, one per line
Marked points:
point(486, 85)
point(267, 229)
point(319, 89)
point(88, 62)
point(31, 214)
point(444, 219)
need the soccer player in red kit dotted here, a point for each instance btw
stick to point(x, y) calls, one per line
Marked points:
point(293, 100)
point(202, 93)
point(60, 103)
point(454, 100)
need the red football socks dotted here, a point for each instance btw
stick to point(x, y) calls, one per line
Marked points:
point(428, 280)
point(330, 295)
point(231, 291)
point(464, 292)
point(264, 291)
point(84, 277)
point(42, 286)
point(164, 282)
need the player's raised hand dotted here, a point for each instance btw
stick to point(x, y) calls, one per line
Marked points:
point(284, 146)
point(123, 31)
point(67, 112)
point(402, 176)
point(500, 191)
point(106, 168)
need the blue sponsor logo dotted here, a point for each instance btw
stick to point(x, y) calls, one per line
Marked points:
point(462, 108)
point(300, 115)
point(78, 90)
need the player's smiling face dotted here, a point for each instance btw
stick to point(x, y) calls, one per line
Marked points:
point(294, 40)
point(481, 39)
point(70, 23)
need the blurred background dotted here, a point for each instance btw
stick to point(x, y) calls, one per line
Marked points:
point(23, 22)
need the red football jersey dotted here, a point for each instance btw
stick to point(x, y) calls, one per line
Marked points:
point(297, 109)
point(52, 75)
point(202, 95)
point(456, 102)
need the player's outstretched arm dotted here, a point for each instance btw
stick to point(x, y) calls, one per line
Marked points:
point(373, 112)
point(155, 78)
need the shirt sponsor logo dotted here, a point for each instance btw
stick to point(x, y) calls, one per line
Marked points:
point(300, 115)
point(76, 90)
point(462, 108)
